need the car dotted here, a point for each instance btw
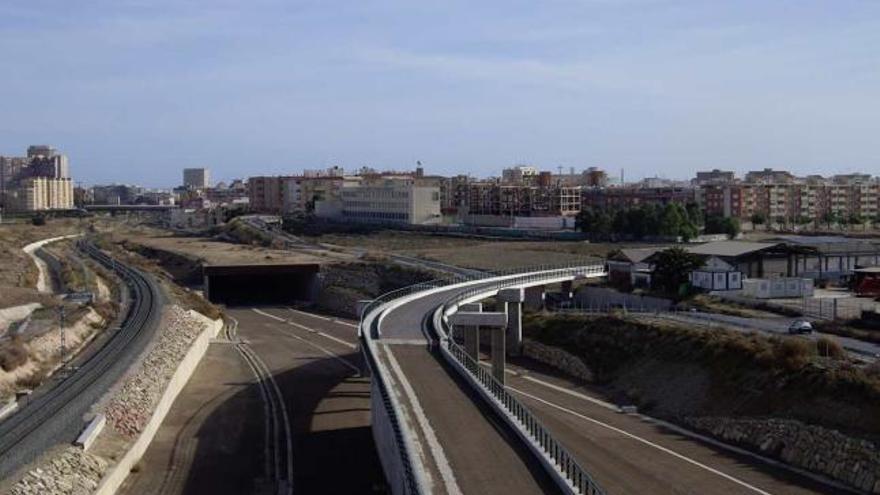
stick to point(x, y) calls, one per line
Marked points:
point(800, 326)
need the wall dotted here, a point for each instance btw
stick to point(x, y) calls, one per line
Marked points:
point(116, 475)
point(852, 461)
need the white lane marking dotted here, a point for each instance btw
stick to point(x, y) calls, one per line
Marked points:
point(598, 402)
point(325, 318)
point(642, 440)
point(260, 370)
point(308, 329)
point(321, 348)
point(436, 449)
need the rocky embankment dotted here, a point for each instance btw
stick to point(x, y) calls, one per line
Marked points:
point(820, 450)
point(773, 396)
point(127, 408)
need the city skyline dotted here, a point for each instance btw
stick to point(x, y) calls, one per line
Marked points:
point(655, 88)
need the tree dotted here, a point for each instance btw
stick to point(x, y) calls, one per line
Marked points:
point(758, 219)
point(671, 220)
point(595, 223)
point(829, 218)
point(672, 268)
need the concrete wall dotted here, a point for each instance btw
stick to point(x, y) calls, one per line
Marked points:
point(116, 475)
point(386, 443)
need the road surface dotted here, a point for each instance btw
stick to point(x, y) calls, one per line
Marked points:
point(214, 438)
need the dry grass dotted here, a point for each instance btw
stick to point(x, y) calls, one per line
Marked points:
point(12, 355)
point(830, 348)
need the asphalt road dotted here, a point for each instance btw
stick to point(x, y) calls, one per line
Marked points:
point(637, 454)
point(214, 438)
point(772, 326)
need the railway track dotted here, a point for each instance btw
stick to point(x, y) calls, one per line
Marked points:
point(55, 412)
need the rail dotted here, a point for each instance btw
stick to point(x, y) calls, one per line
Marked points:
point(56, 413)
point(579, 479)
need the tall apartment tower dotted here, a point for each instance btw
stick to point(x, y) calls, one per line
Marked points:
point(196, 178)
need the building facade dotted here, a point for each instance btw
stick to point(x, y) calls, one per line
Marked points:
point(196, 178)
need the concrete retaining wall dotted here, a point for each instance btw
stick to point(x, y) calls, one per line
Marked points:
point(820, 450)
point(116, 474)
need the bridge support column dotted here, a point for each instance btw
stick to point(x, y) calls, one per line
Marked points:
point(567, 289)
point(499, 353)
point(471, 335)
point(513, 298)
point(534, 297)
point(496, 323)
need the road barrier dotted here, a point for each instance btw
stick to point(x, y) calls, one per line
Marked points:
point(402, 472)
point(571, 476)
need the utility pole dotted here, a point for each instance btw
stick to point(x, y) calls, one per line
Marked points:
point(61, 322)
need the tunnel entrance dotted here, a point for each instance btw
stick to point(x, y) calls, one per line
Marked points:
point(239, 285)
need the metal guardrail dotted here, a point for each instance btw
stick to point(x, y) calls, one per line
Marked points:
point(576, 475)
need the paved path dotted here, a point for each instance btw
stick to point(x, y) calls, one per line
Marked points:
point(213, 440)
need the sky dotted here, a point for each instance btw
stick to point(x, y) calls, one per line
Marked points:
point(135, 90)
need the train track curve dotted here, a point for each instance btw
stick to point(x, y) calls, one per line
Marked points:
point(55, 412)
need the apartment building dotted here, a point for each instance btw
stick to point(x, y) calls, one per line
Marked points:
point(38, 181)
point(487, 198)
point(44, 193)
point(631, 197)
point(781, 197)
point(265, 194)
point(196, 178)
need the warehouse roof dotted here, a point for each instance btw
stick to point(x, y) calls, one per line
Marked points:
point(733, 249)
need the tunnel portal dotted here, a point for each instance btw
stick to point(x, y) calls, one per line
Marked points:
point(237, 285)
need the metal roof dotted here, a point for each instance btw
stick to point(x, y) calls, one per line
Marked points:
point(731, 249)
point(637, 255)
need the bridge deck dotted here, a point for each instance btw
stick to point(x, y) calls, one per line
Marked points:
point(481, 455)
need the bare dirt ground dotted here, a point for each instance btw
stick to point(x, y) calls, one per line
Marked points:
point(215, 252)
point(475, 253)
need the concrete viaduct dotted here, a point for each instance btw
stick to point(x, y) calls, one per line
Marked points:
point(442, 421)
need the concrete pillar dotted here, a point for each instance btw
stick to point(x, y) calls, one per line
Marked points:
point(566, 289)
point(471, 332)
point(499, 351)
point(534, 297)
point(514, 328)
point(513, 299)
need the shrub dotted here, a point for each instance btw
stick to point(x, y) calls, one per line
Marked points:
point(794, 354)
point(12, 355)
point(828, 347)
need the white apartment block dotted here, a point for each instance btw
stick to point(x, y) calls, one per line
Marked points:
point(390, 199)
point(43, 193)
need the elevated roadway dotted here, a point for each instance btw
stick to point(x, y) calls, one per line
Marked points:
point(453, 430)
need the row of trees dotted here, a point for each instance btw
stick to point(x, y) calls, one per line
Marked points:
point(828, 219)
point(671, 220)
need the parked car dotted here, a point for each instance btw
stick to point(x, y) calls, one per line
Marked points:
point(800, 326)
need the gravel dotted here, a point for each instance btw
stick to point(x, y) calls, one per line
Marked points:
point(73, 472)
point(131, 408)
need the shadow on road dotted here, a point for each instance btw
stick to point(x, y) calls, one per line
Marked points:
point(333, 451)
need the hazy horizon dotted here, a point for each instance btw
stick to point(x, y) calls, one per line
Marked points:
point(134, 91)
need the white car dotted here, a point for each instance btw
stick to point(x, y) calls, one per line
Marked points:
point(800, 326)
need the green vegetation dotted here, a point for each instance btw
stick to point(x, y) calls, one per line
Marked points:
point(671, 269)
point(720, 225)
point(672, 220)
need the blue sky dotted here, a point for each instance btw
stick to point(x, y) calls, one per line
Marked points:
point(135, 90)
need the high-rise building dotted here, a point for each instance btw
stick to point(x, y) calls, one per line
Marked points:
point(196, 178)
point(39, 181)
